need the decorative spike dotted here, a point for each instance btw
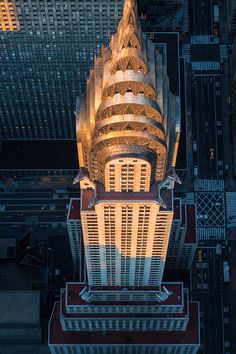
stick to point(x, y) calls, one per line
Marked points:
point(77, 178)
point(162, 203)
point(173, 175)
point(93, 202)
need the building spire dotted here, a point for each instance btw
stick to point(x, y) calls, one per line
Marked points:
point(130, 12)
point(128, 29)
point(126, 46)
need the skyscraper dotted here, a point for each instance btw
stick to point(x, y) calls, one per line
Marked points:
point(47, 49)
point(233, 98)
point(127, 139)
point(183, 238)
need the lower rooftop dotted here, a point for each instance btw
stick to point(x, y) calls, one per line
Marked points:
point(191, 336)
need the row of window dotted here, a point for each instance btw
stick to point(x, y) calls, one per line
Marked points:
point(135, 325)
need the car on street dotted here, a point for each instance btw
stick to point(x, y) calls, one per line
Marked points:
point(212, 153)
point(199, 256)
point(195, 171)
point(194, 146)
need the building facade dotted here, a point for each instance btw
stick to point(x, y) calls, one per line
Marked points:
point(127, 137)
point(231, 16)
point(47, 49)
point(128, 130)
point(233, 98)
point(183, 239)
point(114, 320)
point(74, 231)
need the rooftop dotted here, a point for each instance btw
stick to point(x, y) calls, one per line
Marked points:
point(19, 306)
point(186, 214)
point(177, 208)
point(74, 210)
point(190, 236)
point(183, 215)
point(191, 336)
point(38, 154)
point(73, 290)
point(88, 196)
point(103, 315)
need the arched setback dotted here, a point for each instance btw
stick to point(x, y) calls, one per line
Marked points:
point(130, 137)
point(129, 59)
point(127, 175)
point(134, 122)
point(129, 104)
point(126, 118)
point(130, 86)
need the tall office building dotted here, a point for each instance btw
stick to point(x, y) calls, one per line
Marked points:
point(47, 49)
point(127, 137)
point(183, 238)
point(233, 99)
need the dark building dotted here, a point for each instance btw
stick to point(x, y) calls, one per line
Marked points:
point(231, 16)
point(164, 15)
point(233, 99)
point(47, 48)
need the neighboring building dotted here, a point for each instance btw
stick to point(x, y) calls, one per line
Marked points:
point(19, 316)
point(47, 48)
point(233, 99)
point(128, 130)
point(183, 240)
point(231, 16)
point(7, 247)
point(8, 16)
point(31, 158)
point(74, 231)
point(164, 15)
point(31, 251)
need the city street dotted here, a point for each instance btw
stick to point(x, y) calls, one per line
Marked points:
point(207, 124)
point(209, 288)
point(201, 17)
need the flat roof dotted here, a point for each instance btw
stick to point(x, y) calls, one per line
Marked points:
point(190, 236)
point(183, 215)
point(74, 210)
point(7, 247)
point(190, 336)
point(38, 154)
point(177, 208)
point(102, 315)
point(73, 290)
point(19, 306)
point(88, 196)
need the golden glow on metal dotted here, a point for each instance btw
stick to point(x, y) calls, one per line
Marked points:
point(128, 106)
point(127, 137)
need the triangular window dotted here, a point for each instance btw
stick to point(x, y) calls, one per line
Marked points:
point(129, 89)
point(129, 45)
point(129, 66)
